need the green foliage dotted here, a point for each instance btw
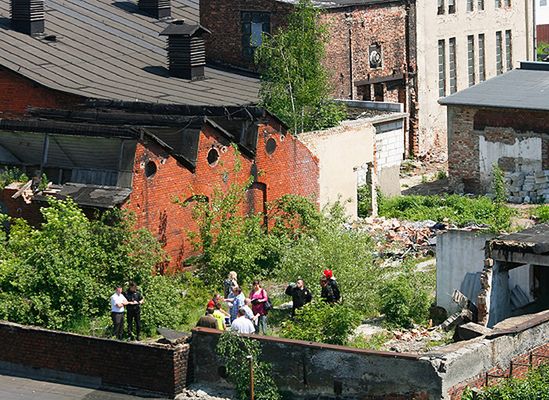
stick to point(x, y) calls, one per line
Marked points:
point(233, 351)
point(534, 387)
point(456, 209)
point(541, 213)
point(322, 322)
point(294, 83)
point(542, 51)
point(9, 175)
point(441, 175)
point(405, 299)
point(61, 275)
point(374, 342)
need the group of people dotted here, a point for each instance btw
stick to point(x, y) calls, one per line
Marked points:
point(128, 302)
point(249, 314)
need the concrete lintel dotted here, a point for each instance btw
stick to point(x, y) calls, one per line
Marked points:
point(520, 258)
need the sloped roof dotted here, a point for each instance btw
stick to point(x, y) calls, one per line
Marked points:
point(108, 49)
point(526, 88)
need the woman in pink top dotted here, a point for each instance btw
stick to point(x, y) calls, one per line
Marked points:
point(258, 296)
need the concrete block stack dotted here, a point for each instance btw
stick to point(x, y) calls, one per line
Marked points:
point(527, 187)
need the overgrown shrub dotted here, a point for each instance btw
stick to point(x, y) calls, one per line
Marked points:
point(534, 387)
point(541, 213)
point(322, 322)
point(234, 351)
point(405, 300)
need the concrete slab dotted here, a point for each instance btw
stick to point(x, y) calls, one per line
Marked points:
point(18, 388)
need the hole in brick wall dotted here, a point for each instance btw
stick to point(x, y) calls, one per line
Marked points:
point(213, 157)
point(222, 371)
point(270, 146)
point(150, 169)
point(338, 388)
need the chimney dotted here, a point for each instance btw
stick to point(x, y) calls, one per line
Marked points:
point(155, 8)
point(27, 16)
point(186, 50)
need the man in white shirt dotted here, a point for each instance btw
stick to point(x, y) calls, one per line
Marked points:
point(248, 310)
point(242, 324)
point(118, 301)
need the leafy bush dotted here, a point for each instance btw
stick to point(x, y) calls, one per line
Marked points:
point(534, 387)
point(234, 351)
point(9, 175)
point(459, 210)
point(541, 213)
point(405, 300)
point(322, 322)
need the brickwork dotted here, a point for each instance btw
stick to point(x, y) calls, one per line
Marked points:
point(18, 208)
point(18, 93)
point(517, 368)
point(468, 124)
point(291, 168)
point(160, 368)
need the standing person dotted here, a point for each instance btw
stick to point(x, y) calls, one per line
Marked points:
point(333, 283)
point(300, 294)
point(248, 310)
point(242, 324)
point(220, 314)
point(235, 301)
point(135, 299)
point(208, 320)
point(229, 283)
point(326, 292)
point(118, 301)
point(259, 297)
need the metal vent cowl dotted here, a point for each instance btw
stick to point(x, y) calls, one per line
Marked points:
point(27, 16)
point(156, 8)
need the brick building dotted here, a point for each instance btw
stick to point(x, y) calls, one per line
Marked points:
point(502, 121)
point(371, 50)
point(114, 119)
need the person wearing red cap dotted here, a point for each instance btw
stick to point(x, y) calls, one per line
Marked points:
point(330, 290)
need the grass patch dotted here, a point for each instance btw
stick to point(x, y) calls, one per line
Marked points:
point(541, 213)
point(374, 342)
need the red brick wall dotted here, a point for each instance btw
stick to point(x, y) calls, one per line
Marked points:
point(18, 93)
point(542, 33)
point(158, 368)
point(519, 370)
point(290, 169)
point(18, 208)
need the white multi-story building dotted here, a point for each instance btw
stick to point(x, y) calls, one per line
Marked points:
point(461, 43)
point(542, 21)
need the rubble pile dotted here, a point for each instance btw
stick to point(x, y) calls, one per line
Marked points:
point(201, 392)
point(400, 237)
point(416, 340)
point(527, 187)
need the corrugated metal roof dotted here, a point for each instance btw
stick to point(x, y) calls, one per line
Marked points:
point(109, 50)
point(518, 89)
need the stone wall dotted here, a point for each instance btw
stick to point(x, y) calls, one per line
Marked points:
point(154, 368)
point(515, 140)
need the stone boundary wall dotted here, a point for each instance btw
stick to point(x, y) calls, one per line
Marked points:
point(307, 370)
point(95, 362)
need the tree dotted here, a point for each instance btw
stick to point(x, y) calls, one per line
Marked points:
point(294, 83)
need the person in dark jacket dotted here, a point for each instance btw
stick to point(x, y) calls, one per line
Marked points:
point(135, 299)
point(300, 294)
point(332, 283)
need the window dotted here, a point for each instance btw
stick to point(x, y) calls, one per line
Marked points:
point(470, 5)
point(481, 58)
point(453, 66)
point(254, 24)
point(441, 69)
point(213, 157)
point(451, 6)
point(508, 50)
point(481, 5)
point(375, 56)
point(542, 3)
point(508, 3)
point(440, 9)
point(471, 59)
point(378, 92)
point(498, 3)
point(499, 56)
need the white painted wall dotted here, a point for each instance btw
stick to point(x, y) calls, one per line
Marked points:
point(490, 152)
point(432, 27)
point(542, 12)
point(343, 152)
point(458, 252)
point(389, 148)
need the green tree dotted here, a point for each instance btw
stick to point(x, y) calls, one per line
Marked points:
point(294, 83)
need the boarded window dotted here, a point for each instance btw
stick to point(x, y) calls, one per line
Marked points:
point(481, 58)
point(254, 24)
point(481, 5)
point(470, 5)
point(440, 8)
point(441, 68)
point(451, 6)
point(508, 50)
point(499, 53)
point(471, 59)
point(452, 64)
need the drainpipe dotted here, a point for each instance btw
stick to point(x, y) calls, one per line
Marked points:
point(408, 137)
point(534, 30)
point(349, 20)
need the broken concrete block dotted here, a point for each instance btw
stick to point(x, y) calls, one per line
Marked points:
point(471, 330)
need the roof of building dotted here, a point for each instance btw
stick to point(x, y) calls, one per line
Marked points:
point(342, 3)
point(532, 240)
point(108, 49)
point(86, 195)
point(524, 88)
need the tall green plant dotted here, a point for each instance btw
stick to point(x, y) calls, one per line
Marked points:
point(237, 353)
point(294, 83)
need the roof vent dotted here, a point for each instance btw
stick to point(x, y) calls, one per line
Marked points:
point(186, 50)
point(27, 16)
point(156, 8)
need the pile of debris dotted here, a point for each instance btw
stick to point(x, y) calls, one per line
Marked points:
point(398, 238)
point(527, 187)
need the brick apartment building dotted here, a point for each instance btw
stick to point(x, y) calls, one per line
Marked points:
point(371, 49)
point(96, 102)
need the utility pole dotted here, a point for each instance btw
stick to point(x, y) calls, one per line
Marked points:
point(252, 395)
